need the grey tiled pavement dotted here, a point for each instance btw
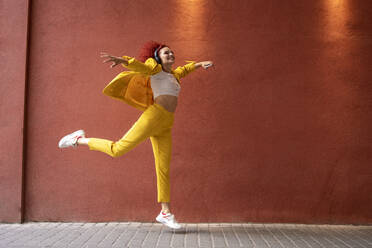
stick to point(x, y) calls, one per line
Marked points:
point(134, 234)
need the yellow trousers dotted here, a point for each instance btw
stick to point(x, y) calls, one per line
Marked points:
point(155, 122)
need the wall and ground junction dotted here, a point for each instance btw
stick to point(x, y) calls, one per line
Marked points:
point(278, 131)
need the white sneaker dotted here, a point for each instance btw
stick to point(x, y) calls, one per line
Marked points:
point(168, 220)
point(70, 140)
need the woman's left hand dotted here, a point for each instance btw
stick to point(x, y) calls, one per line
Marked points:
point(206, 64)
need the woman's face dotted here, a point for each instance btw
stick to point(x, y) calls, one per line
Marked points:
point(166, 55)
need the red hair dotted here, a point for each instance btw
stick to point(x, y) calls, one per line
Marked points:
point(148, 50)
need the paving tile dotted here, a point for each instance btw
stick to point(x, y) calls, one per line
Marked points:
point(213, 235)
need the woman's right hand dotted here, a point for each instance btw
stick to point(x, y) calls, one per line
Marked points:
point(116, 60)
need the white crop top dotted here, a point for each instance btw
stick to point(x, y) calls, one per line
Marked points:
point(164, 83)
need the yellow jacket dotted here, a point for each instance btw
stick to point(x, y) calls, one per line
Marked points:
point(134, 86)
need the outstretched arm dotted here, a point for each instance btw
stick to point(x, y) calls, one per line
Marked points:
point(182, 71)
point(131, 63)
point(204, 64)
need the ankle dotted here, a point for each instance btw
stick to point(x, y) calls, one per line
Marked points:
point(166, 211)
point(82, 140)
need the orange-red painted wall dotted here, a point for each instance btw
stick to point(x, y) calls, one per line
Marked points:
point(279, 131)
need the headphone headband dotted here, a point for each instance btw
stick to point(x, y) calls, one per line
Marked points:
point(156, 55)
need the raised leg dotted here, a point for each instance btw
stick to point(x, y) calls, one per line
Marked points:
point(142, 129)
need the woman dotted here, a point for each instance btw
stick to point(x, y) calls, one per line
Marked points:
point(156, 121)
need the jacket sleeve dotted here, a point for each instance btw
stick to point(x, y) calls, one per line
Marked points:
point(135, 65)
point(182, 71)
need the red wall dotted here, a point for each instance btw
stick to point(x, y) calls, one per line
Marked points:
point(280, 131)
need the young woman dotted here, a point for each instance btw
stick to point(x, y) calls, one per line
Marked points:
point(157, 119)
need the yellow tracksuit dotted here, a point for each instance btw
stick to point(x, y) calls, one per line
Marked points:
point(155, 122)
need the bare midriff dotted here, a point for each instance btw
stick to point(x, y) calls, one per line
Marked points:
point(169, 102)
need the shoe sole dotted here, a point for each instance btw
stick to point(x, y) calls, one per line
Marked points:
point(166, 224)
